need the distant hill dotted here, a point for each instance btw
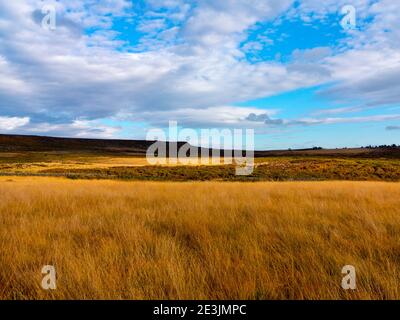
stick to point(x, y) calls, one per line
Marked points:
point(28, 143)
point(25, 143)
point(381, 152)
point(14, 143)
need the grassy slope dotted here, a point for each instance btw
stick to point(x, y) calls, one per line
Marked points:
point(136, 240)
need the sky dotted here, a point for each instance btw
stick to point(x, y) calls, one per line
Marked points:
point(299, 73)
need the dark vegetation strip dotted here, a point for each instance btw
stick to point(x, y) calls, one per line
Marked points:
point(282, 170)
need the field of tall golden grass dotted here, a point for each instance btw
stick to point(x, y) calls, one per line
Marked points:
point(198, 240)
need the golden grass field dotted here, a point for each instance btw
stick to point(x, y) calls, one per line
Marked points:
point(198, 240)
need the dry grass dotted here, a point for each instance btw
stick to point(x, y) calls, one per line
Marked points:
point(96, 166)
point(210, 240)
point(34, 163)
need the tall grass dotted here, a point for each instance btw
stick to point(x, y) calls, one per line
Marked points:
point(198, 240)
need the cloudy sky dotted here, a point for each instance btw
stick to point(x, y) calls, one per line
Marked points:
point(289, 69)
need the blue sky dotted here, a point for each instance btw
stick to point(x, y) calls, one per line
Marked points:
point(287, 69)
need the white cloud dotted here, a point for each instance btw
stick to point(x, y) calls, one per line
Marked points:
point(267, 120)
point(58, 77)
point(228, 116)
point(12, 123)
point(71, 77)
point(371, 76)
point(76, 128)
